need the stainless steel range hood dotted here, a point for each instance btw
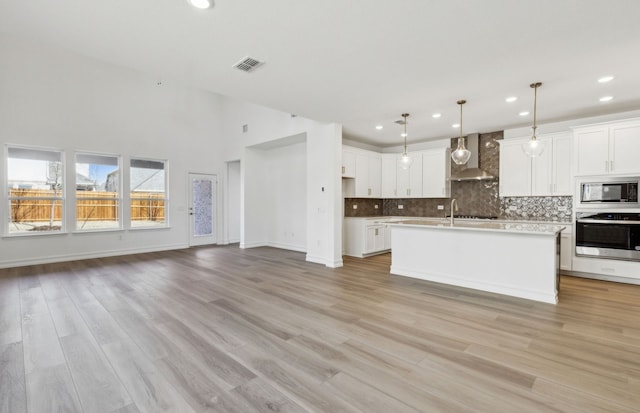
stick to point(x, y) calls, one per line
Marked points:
point(472, 171)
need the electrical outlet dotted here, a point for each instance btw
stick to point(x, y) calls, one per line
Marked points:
point(355, 206)
point(440, 207)
point(562, 208)
point(513, 208)
point(400, 206)
point(376, 206)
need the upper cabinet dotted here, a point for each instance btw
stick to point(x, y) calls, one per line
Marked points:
point(436, 171)
point(368, 175)
point(389, 173)
point(551, 172)
point(546, 175)
point(379, 175)
point(348, 164)
point(409, 181)
point(515, 169)
point(607, 149)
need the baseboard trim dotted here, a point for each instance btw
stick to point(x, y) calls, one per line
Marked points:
point(86, 256)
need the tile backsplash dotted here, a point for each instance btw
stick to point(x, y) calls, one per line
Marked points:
point(537, 208)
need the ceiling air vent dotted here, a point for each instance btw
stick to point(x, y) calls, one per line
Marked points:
point(248, 64)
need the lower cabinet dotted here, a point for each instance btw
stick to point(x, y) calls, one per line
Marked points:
point(375, 238)
point(365, 236)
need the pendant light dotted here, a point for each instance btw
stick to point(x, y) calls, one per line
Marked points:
point(461, 155)
point(534, 147)
point(405, 159)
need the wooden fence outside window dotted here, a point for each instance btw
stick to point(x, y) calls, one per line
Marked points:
point(90, 206)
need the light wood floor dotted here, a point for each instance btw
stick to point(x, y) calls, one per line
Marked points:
point(227, 330)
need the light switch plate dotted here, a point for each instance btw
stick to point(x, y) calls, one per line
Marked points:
point(440, 207)
point(400, 206)
point(355, 206)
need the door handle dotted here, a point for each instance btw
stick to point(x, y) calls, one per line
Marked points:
point(343, 169)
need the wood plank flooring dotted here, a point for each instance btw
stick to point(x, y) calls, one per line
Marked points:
point(220, 329)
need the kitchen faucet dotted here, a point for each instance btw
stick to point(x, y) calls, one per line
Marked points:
point(454, 204)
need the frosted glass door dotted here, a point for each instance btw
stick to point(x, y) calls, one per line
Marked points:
point(202, 197)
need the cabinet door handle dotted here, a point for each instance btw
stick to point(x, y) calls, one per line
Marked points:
point(408, 191)
point(606, 166)
point(555, 188)
point(376, 231)
point(611, 166)
point(343, 169)
point(369, 191)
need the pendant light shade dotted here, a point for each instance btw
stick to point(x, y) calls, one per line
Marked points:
point(405, 160)
point(461, 155)
point(534, 147)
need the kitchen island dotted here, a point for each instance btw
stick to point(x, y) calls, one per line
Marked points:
point(517, 259)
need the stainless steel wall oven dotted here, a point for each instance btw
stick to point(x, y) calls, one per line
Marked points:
point(614, 235)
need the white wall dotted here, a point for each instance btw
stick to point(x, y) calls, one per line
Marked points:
point(233, 202)
point(323, 174)
point(286, 183)
point(53, 98)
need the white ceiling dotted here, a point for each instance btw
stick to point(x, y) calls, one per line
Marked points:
point(364, 62)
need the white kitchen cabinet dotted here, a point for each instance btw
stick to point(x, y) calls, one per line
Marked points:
point(388, 181)
point(546, 175)
point(374, 238)
point(592, 151)
point(551, 171)
point(608, 149)
point(436, 171)
point(624, 148)
point(365, 236)
point(515, 169)
point(562, 165)
point(409, 181)
point(368, 175)
point(348, 164)
point(375, 176)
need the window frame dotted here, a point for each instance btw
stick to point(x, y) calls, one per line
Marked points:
point(119, 198)
point(165, 162)
point(7, 198)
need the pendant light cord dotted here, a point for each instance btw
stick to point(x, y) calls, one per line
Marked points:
point(535, 87)
point(405, 115)
point(460, 139)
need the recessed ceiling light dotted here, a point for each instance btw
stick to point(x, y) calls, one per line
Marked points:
point(606, 98)
point(436, 115)
point(511, 99)
point(455, 125)
point(200, 4)
point(379, 127)
point(605, 79)
point(523, 113)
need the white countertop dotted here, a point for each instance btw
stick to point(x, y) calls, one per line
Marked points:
point(478, 225)
point(533, 227)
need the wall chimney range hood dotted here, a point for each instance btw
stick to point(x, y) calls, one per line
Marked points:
point(472, 172)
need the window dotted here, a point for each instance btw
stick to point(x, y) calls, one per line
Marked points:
point(35, 186)
point(98, 195)
point(148, 185)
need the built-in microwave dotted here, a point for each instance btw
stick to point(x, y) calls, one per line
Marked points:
point(609, 192)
